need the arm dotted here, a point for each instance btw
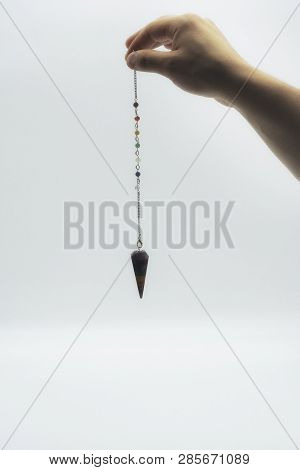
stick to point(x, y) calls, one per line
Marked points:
point(200, 60)
point(273, 109)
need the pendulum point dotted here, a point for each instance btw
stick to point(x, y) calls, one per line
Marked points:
point(140, 262)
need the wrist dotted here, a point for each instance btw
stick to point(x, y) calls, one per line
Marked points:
point(233, 79)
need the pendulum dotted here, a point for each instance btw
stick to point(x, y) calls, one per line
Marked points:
point(139, 257)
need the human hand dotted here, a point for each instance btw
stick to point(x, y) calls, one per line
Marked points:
point(199, 58)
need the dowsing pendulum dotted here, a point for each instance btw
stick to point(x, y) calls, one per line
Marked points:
point(139, 257)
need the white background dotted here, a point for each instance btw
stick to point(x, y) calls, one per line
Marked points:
point(154, 373)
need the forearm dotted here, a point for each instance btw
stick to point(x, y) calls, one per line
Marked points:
point(272, 108)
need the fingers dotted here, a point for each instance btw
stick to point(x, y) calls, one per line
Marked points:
point(140, 55)
point(130, 39)
point(149, 61)
point(155, 34)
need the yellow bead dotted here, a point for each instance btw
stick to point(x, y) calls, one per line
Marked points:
point(137, 132)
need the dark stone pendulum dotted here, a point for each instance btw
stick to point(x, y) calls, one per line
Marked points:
point(140, 262)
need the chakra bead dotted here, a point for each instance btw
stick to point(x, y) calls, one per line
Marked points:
point(135, 104)
point(138, 174)
point(137, 145)
point(137, 132)
point(137, 118)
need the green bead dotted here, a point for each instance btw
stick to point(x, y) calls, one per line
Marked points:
point(137, 145)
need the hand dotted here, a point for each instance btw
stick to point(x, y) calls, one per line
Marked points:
point(199, 59)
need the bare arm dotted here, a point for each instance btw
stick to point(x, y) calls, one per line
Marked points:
point(273, 109)
point(200, 60)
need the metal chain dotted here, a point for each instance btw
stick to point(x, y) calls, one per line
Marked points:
point(139, 243)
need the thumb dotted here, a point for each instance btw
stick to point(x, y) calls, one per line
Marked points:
point(148, 60)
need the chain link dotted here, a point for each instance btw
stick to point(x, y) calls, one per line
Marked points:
point(135, 85)
point(139, 243)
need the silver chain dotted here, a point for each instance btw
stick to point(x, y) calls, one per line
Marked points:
point(137, 166)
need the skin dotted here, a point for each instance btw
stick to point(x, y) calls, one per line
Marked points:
point(199, 59)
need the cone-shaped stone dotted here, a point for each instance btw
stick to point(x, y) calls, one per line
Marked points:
point(140, 263)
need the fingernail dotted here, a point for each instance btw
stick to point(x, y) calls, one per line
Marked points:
point(131, 60)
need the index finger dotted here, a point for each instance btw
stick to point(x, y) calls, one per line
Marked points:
point(155, 34)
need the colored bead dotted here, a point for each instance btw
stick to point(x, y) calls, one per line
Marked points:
point(138, 174)
point(135, 104)
point(137, 145)
point(137, 132)
point(137, 118)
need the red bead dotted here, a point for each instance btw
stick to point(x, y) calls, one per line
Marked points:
point(137, 118)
